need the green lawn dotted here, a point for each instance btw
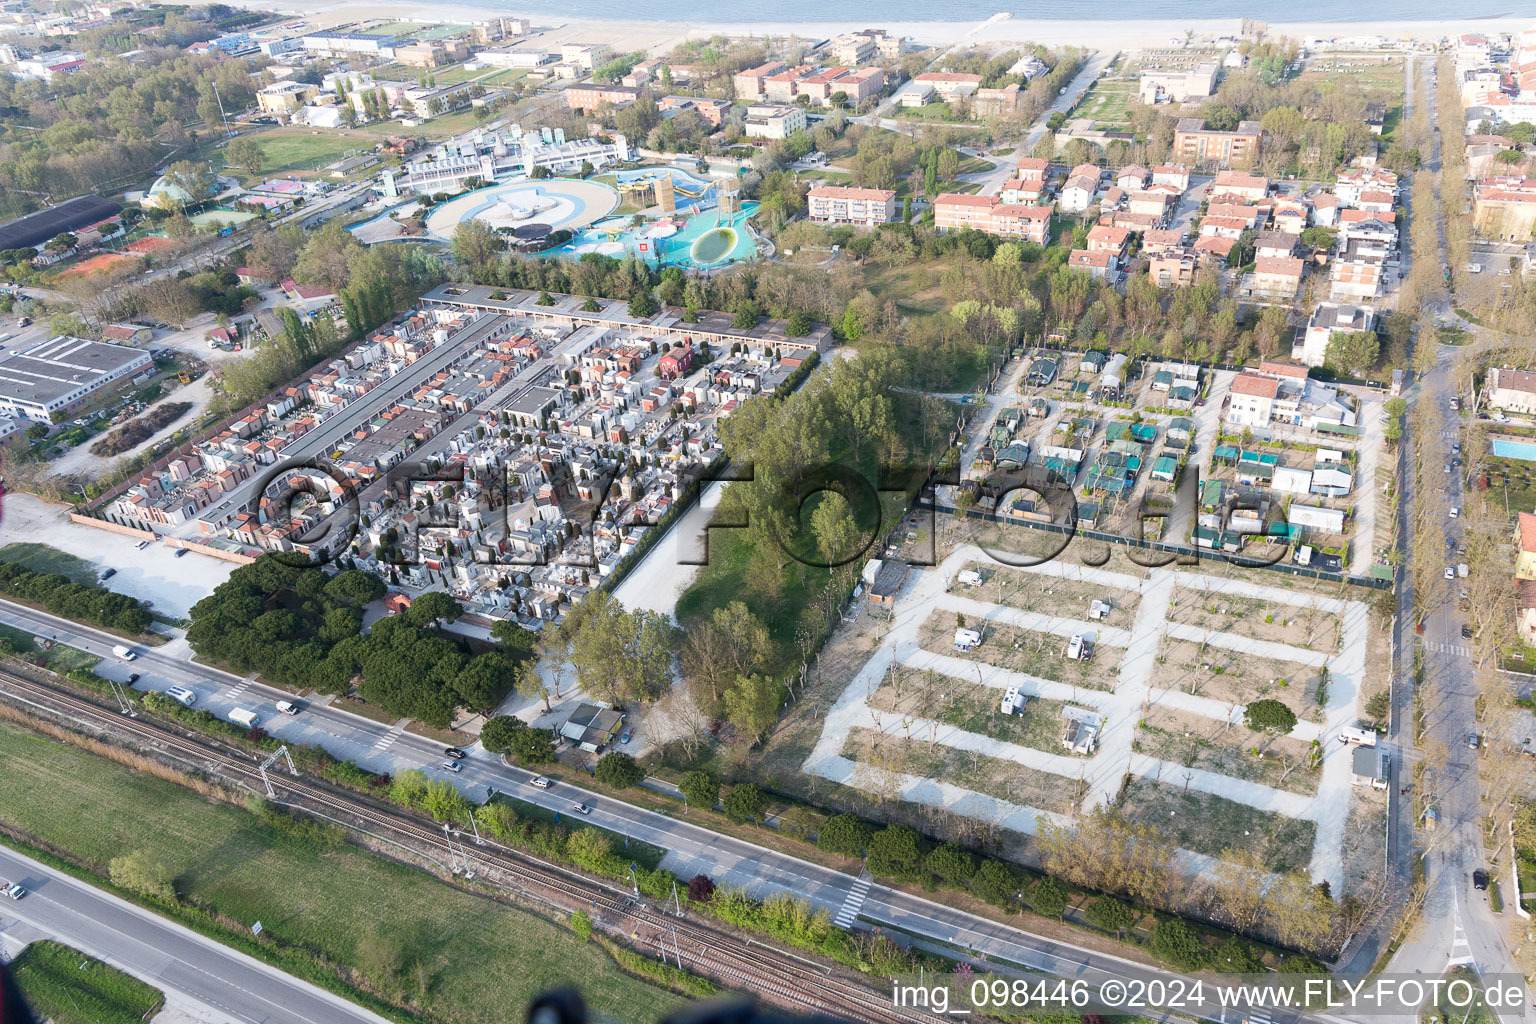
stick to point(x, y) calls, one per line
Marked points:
point(305, 149)
point(463, 957)
point(1106, 103)
point(42, 558)
point(68, 987)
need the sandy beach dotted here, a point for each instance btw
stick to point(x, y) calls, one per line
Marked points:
point(657, 36)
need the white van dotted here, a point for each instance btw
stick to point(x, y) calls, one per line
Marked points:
point(965, 639)
point(287, 708)
point(245, 717)
point(968, 577)
point(181, 695)
point(124, 651)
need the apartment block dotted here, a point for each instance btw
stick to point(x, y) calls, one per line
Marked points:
point(1194, 143)
point(864, 207)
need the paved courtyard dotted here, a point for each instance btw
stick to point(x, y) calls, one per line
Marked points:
point(1120, 709)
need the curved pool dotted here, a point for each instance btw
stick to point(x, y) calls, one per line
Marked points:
point(713, 246)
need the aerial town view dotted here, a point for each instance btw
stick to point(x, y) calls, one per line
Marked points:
point(569, 512)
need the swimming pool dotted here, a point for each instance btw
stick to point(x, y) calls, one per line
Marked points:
point(702, 241)
point(1507, 449)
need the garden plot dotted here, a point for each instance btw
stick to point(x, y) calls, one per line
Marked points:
point(1280, 622)
point(882, 757)
point(1203, 669)
point(973, 708)
point(1021, 650)
point(1210, 824)
point(1227, 748)
point(1018, 588)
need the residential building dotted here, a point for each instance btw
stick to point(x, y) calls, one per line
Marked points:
point(1156, 205)
point(853, 48)
point(1133, 177)
point(773, 121)
point(1107, 238)
point(749, 84)
point(1098, 264)
point(1000, 102)
point(1175, 85)
point(1525, 545)
point(587, 56)
point(1505, 209)
point(1248, 187)
point(955, 211)
point(285, 97)
point(1511, 390)
point(1078, 194)
point(712, 111)
point(591, 96)
point(784, 86)
point(1193, 143)
point(1176, 175)
point(1251, 400)
point(1173, 268)
point(865, 207)
point(1273, 277)
point(1355, 280)
point(1327, 318)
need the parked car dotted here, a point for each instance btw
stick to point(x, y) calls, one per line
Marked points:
point(581, 808)
point(106, 574)
point(142, 544)
point(540, 781)
point(1450, 573)
point(1480, 879)
point(1473, 742)
point(452, 766)
point(12, 890)
point(1466, 632)
point(624, 737)
point(180, 552)
point(455, 753)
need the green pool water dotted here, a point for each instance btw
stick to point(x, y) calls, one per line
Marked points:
point(713, 246)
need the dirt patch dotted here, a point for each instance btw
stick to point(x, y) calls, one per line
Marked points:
point(1211, 824)
point(974, 708)
point(1258, 619)
point(1365, 840)
point(1232, 676)
point(136, 432)
point(1199, 742)
point(1019, 588)
point(1023, 650)
point(881, 756)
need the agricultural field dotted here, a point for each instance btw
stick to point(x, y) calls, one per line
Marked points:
point(464, 957)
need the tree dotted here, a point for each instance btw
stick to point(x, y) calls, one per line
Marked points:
point(514, 637)
point(1269, 716)
point(195, 178)
point(952, 864)
point(589, 848)
point(476, 243)
point(701, 889)
point(895, 852)
point(752, 704)
point(1110, 914)
point(1177, 944)
point(484, 680)
point(1047, 898)
point(1352, 353)
point(141, 872)
point(618, 771)
point(37, 431)
point(533, 746)
point(995, 882)
point(245, 153)
point(427, 609)
point(497, 733)
point(745, 802)
point(845, 834)
point(700, 788)
point(642, 304)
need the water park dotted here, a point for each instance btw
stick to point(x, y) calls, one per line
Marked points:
point(673, 217)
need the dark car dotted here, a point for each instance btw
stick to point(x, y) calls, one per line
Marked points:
point(1479, 879)
point(180, 552)
point(1466, 632)
point(133, 677)
point(455, 753)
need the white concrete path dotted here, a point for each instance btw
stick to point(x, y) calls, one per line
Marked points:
point(1120, 708)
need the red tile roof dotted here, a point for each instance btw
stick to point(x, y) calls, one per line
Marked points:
point(1253, 384)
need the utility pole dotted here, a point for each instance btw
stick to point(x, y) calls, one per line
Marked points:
point(272, 758)
point(124, 704)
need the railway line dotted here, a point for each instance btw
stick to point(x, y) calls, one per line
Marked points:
point(777, 977)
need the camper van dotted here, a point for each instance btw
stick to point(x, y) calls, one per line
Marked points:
point(1357, 737)
point(965, 639)
point(1013, 701)
point(968, 577)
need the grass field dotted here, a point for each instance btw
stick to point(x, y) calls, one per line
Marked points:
point(306, 149)
point(42, 558)
point(459, 956)
point(443, 76)
point(1106, 103)
point(67, 987)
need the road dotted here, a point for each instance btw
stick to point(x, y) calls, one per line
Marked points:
point(1458, 925)
point(691, 849)
point(221, 982)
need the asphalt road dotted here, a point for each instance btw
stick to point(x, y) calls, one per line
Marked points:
point(692, 849)
point(226, 983)
point(1458, 924)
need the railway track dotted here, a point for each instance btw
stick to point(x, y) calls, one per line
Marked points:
point(775, 976)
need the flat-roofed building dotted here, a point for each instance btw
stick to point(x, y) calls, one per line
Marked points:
point(750, 84)
point(773, 120)
point(1175, 85)
point(50, 380)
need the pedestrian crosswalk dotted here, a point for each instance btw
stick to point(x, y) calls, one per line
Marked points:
point(1461, 949)
point(855, 899)
point(1435, 645)
point(239, 688)
point(388, 739)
